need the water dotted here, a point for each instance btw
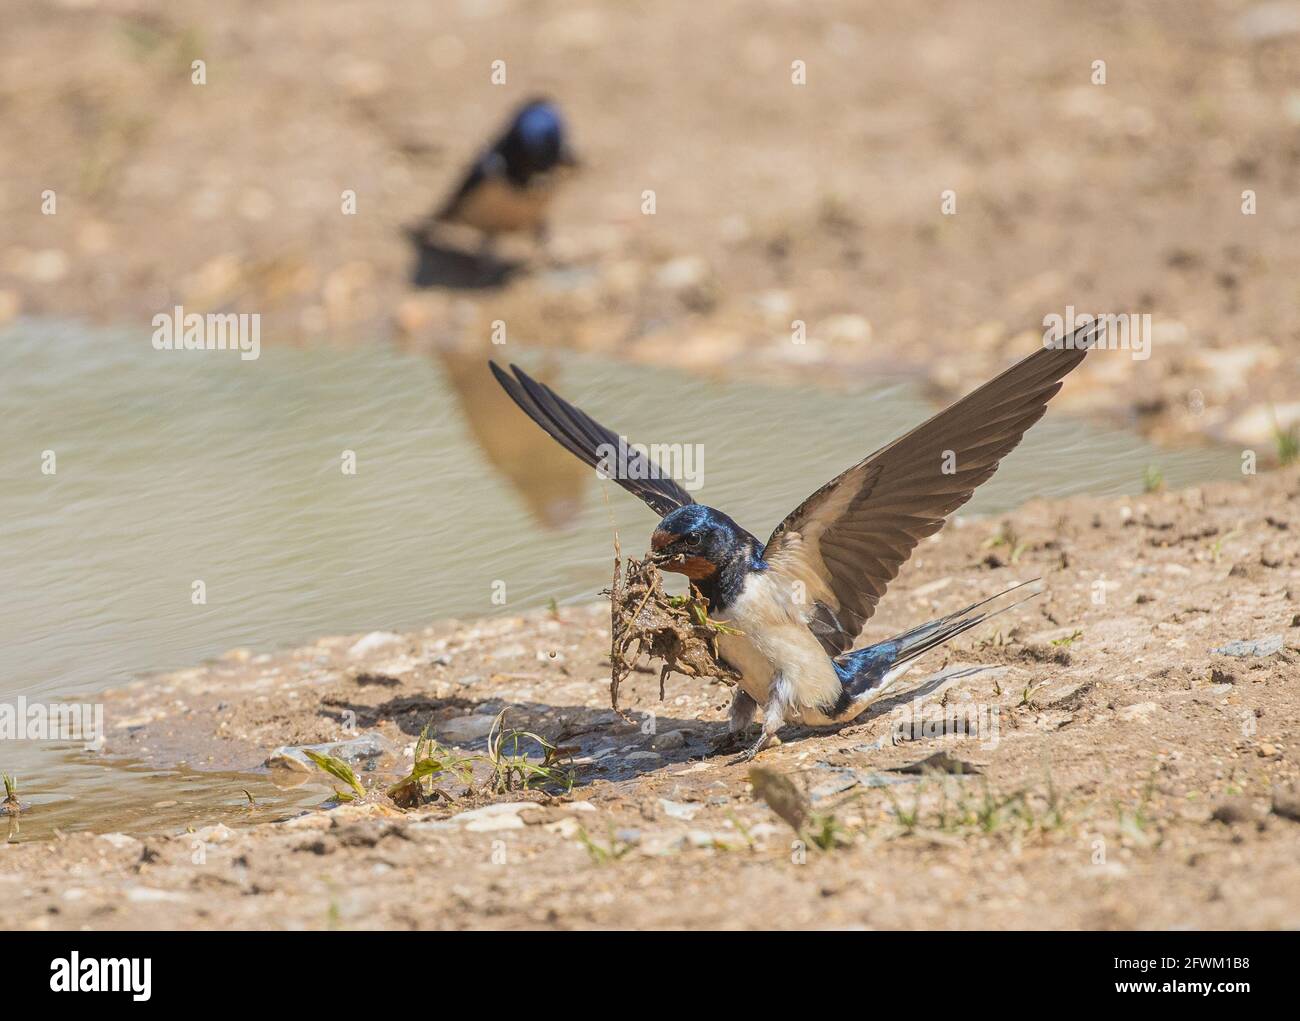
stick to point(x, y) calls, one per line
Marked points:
point(180, 467)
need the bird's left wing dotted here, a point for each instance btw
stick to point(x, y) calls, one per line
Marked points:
point(590, 441)
point(846, 542)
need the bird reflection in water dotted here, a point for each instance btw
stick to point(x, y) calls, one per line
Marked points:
point(550, 482)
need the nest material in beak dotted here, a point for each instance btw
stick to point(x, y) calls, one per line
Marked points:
point(676, 630)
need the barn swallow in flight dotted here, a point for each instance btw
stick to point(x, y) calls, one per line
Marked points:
point(800, 600)
point(509, 186)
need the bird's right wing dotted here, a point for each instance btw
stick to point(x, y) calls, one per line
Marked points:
point(846, 542)
point(589, 441)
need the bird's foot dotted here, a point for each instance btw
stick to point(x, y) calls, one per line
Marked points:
point(764, 742)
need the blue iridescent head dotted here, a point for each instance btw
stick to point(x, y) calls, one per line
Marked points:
point(535, 142)
point(696, 541)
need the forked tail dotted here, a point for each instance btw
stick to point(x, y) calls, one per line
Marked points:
point(870, 668)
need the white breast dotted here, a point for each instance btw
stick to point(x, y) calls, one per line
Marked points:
point(776, 638)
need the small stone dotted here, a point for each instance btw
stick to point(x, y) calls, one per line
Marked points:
point(700, 838)
point(566, 827)
point(362, 748)
point(149, 895)
point(121, 842)
point(504, 815)
point(1258, 647)
point(643, 756)
point(1233, 810)
point(465, 729)
point(375, 640)
point(1266, 750)
point(668, 741)
point(308, 821)
point(683, 272)
point(1286, 803)
point(678, 810)
point(1139, 711)
point(47, 266)
point(217, 834)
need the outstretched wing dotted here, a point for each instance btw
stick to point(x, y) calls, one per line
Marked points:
point(847, 541)
point(590, 441)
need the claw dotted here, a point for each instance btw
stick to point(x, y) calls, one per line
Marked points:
point(764, 742)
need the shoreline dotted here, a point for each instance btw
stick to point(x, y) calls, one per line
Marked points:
point(1130, 776)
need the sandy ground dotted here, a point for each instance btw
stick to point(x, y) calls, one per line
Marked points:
point(774, 202)
point(1129, 775)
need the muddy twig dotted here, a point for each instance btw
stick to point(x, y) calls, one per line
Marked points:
point(674, 629)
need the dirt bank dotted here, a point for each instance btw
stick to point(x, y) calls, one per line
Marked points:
point(774, 202)
point(1129, 774)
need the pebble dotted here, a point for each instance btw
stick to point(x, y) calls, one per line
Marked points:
point(308, 821)
point(669, 740)
point(150, 895)
point(1259, 647)
point(120, 841)
point(375, 640)
point(365, 746)
point(502, 816)
point(678, 810)
point(1233, 810)
point(464, 729)
point(1286, 803)
point(216, 834)
point(1139, 711)
point(682, 272)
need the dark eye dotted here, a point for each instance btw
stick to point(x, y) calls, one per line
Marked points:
point(693, 539)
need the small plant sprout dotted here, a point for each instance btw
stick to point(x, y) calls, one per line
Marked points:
point(431, 761)
point(602, 854)
point(1006, 536)
point(1153, 479)
point(340, 770)
point(512, 769)
point(1067, 640)
point(1286, 441)
point(11, 804)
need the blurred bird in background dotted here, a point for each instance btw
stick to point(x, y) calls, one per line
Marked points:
point(508, 188)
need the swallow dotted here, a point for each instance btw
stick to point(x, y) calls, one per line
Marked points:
point(510, 185)
point(800, 600)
